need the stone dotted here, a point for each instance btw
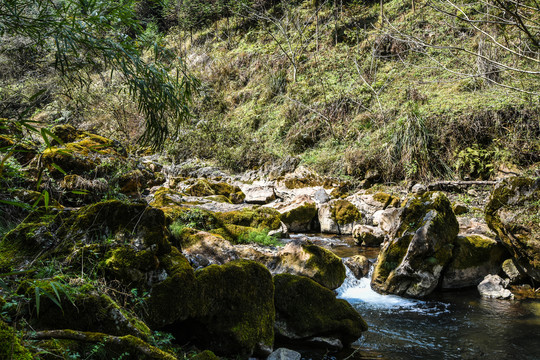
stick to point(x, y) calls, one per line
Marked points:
point(284, 354)
point(321, 196)
point(306, 310)
point(339, 217)
point(419, 247)
point(235, 315)
point(493, 286)
point(366, 235)
point(473, 258)
point(514, 274)
point(359, 265)
point(419, 189)
point(388, 219)
point(259, 194)
point(300, 215)
point(513, 213)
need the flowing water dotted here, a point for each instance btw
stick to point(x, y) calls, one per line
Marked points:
point(450, 325)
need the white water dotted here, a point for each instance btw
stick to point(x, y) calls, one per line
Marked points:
point(358, 292)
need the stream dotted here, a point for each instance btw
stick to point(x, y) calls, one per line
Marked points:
point(448, 325)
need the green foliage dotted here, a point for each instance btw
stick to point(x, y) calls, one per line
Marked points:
point(193, 218)
point(96, 34)
point(474, 162)
point(259, 237)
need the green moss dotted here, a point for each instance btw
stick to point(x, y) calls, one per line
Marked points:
point(177, 297)
point(233, 233)
point(130, 266)
point(473, 250)
point(10, 345)
point(300, 215)
point(205, 355)
point(343, 212)
point(330, 271)
point(29, 239)
point(386, 199)
point(262, 218)
point(204, 187)
point(82, 308)
point(308, 309)
point(220, 199)
point(236, 310)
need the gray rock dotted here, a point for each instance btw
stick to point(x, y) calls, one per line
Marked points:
point(366, 235)
point(359, 265)
point(419, 189)
point(259, 194)
point(419, 247)
point(493, 286)
point(321, 196)
point(284, 354)
point(473, 257)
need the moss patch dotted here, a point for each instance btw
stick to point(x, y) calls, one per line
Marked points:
point(204, 187)
point(343, 212)
point(10, 344)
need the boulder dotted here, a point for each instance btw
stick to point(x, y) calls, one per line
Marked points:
point(388, 219)
point(306, 310)
point(473, 258)
point(300, 215)
point(493, 286)
point(370, 204)
point(284, 354)
point(339, 217)
point(235, 314)
point(205, 187)
point(366, 235)
point(82, 308)
point(309, 260)
point(259, 194)
point(176, 298)
point(10, 344)
point(420, 246)
point(513, 213)
point(321, 196)
point(359, 265)
point(511, 270)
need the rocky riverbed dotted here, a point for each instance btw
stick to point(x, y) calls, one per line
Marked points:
point(119, 250)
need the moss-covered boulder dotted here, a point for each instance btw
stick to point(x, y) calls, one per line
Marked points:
point(176, 298)
point(136, 224)
point(312, 261)
point(23, 150)
point(474, 257)
point(420, 246)
point(78, 191)
point(82, 154)
point(300, 215)
point(204, 187)
point(236, 310)
point(366, 235)
point(513, 213)
point(339, 217)
point(34, 236)
point(359, 265)
point(306, 310)
point(132, 267)
point(10, 345)
point(81, 308)
point(233, 225)
point(135, 181)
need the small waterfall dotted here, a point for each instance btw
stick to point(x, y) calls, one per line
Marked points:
point(359, 291)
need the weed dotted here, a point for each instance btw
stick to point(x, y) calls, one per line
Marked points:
point(260, 237)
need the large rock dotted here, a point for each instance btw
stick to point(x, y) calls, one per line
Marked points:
point(339, 217)
point(259, 194)
point(473, 258)
point(493, 286)
point(82, 308)
point(366, 235)
point(306, 310)
point(235, 311)
point(420, 246)
point(513, 212)
point(312, 261)
point(300, 215)
point(284, 354)
point(205, 187)
point(511, 270)
point(359, 265)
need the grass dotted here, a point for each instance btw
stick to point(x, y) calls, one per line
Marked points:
point(260, 237)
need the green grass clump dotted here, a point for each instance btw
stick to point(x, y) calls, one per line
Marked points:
point(260, 237)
